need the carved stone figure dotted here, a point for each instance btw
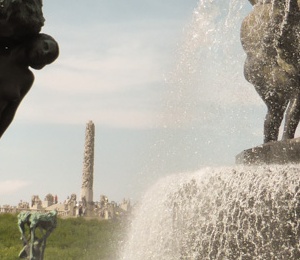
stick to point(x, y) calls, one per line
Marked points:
point(73, 197)
point(21, 46)
point(35, 201)
point(270, 38)
point(23, 205)
point(34, 247)
point(49, 197)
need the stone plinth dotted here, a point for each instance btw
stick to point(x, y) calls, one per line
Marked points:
point(281, 152)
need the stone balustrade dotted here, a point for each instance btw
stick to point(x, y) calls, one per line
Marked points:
point(15, 210)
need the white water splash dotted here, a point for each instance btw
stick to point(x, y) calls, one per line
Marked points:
point(225, 213)
point(246, 213)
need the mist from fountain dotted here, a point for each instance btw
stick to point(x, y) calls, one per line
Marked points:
point(221, 212)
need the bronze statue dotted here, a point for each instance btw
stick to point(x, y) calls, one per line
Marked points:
point(270, 38)
point(20, 18)
point(21, 46)
point(34, 246)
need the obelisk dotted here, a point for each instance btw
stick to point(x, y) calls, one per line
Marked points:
point(88, 168)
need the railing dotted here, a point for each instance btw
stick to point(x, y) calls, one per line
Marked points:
point(14, 210)
point(9, 210)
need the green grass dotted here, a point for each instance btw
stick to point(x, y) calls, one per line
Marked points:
point(74, 238)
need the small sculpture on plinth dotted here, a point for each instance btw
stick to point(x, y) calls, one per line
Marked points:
point(21, 46)
point(34, 245)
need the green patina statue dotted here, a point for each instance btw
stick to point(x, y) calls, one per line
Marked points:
point(21, 46)
point(35, 244)
point(270, 36)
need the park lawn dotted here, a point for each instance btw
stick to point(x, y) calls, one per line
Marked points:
point(74, 238)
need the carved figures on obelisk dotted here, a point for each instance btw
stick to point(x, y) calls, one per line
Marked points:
point(88, 166)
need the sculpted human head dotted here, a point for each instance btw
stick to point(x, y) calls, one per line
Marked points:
point(42, 50)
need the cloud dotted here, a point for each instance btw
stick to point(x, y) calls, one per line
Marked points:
point(113, 116)
point(109, 58)
point(116, 79)
point(103, 68)
point(12, 186)
point(112, 74)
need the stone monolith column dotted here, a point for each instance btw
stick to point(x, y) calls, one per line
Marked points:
point(88, 168)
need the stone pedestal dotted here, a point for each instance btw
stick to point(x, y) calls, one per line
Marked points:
point(281, 152)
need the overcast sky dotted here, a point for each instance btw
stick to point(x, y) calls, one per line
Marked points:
point(163, 83)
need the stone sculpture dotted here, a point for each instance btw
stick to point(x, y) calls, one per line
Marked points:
point(34, 246)
point(270, 36)
point(88, 166)
point(21, 46)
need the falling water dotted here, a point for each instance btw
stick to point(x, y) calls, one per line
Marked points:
point(206, 91)
point(215, 213)
point(225, 213)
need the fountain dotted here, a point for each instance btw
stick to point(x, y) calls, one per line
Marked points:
point(240, 212)
point(219, 213)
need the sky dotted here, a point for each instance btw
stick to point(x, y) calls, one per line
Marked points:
point(161, 80)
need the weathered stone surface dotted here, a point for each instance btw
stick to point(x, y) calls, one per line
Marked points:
point(88, 167)
point(281, 152)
